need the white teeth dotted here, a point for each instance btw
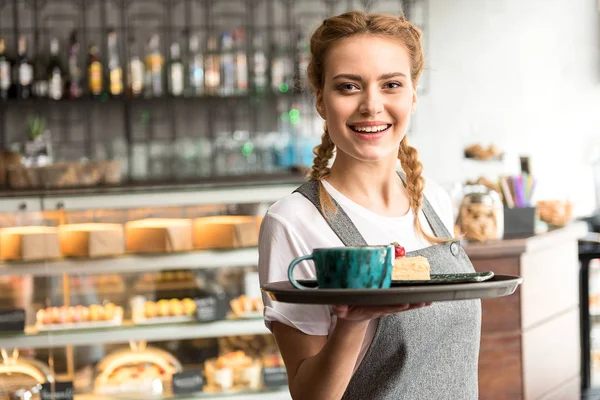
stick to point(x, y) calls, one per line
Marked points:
point(370, 129)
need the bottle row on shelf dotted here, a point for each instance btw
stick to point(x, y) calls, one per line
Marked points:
point(219, 67)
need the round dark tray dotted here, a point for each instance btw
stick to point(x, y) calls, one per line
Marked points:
point(498, 286)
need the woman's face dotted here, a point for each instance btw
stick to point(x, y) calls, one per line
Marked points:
point(367, 97)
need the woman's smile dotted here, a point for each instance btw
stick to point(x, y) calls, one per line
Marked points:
point(370, 130)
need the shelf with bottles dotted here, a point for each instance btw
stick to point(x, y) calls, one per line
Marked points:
point(218, 68)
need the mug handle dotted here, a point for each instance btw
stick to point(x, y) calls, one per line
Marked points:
point(291, 271)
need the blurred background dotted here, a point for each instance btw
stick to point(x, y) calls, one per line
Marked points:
point(141, 142)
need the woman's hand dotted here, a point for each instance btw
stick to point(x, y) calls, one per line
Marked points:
point(366, 313)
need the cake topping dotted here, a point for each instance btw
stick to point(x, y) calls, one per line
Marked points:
point(399, 251)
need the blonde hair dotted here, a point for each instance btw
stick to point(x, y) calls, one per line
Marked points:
point(332, 31)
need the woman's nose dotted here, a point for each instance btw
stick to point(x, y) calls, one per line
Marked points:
point(372, 103)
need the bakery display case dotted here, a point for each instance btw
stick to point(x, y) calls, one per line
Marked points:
point(136, 294)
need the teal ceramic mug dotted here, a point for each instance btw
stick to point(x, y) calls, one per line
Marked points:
point(360, 267)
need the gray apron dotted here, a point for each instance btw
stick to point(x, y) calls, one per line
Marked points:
point(429, 353)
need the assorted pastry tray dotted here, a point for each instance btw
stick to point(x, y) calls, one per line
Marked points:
point(244, 307)
point(163, 311)
point(79, 317)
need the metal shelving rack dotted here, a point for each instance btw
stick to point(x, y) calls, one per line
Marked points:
point(89, 127)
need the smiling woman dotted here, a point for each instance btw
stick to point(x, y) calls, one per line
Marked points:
point(364, 72)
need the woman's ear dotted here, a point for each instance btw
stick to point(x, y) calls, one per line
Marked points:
point(319, 104)
point(414, 102)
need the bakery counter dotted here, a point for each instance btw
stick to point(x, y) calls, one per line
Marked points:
point(530, 341)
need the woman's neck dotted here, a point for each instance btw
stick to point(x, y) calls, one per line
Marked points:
point(375, 186)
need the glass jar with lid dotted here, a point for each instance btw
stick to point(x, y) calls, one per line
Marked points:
point(481, 214)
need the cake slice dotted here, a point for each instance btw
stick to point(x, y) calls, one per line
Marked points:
point(409, 268)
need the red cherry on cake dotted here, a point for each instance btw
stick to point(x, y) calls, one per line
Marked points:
point(399, 251)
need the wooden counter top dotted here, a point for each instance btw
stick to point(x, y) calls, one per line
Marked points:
point(514, 247)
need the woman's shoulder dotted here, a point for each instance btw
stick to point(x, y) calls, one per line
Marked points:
point(293, 209)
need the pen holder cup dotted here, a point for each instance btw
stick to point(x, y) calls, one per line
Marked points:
point(519, 222)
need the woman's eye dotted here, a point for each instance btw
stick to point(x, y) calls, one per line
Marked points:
point(393, 85)
point(346, 87)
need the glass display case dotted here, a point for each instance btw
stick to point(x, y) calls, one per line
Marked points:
point(136, 294)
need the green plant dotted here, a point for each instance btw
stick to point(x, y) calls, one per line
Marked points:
point(37, 126)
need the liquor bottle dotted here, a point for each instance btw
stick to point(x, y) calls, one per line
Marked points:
point(176, 83)
point(303, 51)
point(95, 82)
point(41, 76)
point(196, 68)
point(213, 68)
point(5, 78)
point(115, 72)
point(227, 66)
point(282, 69)
point(259, 69)
point(24, 71)
point(136, 71)
point(74, 79)
point(54, 72)
point(240, 62)
point(154, 68)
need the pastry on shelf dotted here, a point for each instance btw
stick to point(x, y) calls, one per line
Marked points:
point(22, 375)
point(162, 311)
point(29, 243)
point(79, 317)
point(244, 307)
point(478, 152)
point(232, 371)
point(92, 240)
point(409, 268)
point(140, 371)
point(555, 212)
point(225, 231)
point(158, 235)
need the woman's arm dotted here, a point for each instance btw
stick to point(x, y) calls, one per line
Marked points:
point(320, 367)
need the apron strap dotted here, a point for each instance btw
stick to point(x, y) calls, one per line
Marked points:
point(340, 222)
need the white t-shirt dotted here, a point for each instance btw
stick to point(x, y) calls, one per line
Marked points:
point(293, 227)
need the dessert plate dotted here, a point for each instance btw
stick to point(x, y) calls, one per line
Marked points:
point(496, 286)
